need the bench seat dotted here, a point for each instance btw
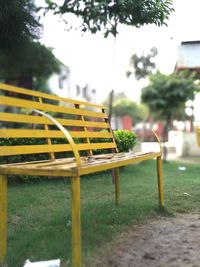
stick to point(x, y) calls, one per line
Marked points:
point(67, 166)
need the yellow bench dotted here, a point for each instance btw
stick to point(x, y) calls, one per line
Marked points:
point(198, 135)
point(28, 111)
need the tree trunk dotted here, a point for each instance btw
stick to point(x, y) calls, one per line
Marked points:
point(111, 96)
point(165, 137)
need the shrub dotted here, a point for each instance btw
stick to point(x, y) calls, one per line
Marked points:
point(125, 140)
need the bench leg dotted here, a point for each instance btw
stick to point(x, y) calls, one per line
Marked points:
point(3, 220)
point(117, 185)
point(160, 182)
point(76, 221)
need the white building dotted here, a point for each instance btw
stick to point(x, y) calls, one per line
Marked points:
point(188, 58)
point(64, 84)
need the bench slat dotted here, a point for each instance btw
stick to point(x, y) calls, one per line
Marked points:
point(41, 172)
point(41, 120)
point(35, 149)
point(61, 167)
point(16, 102)
point(20, 90)
point(115, 163)
point(18, 133)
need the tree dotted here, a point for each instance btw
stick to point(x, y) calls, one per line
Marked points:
point(166, 96)
point(123, 106)
point(142, 66)
point(31, 66)
point(106, 15)
point(18, 22)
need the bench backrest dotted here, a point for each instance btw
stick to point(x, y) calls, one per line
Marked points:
point(85, 122)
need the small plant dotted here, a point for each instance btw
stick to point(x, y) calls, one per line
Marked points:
point(125, 140)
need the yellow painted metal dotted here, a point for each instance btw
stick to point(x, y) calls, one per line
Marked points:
point(117, 186)
point(35, 149)
point(115, 149)
point(160, 182)
point(46, 127)
point(17, 102)
point(29, 133)
point(76, 221)
point(197, 129)
point(66, 134)
point(3, 219)
point(111, 164)
point(160, 175)
point(158, 140)
point(49, 172)
point(86, 140)
point(41, 120)
point(20, 90)
point(66, 169)
point(91, 134)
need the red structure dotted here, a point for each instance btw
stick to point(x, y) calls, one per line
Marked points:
point(127, 123)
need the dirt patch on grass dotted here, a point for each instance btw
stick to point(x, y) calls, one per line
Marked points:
point(166, 242)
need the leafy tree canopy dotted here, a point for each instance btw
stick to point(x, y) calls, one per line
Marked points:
point(142, 66)
point(167, 94)
point(33, 60)
point(126, 107)
point(18, 21)
point(106, 15)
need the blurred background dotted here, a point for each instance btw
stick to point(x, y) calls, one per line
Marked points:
point(146, 75)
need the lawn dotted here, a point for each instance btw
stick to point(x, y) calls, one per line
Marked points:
point(39, 214)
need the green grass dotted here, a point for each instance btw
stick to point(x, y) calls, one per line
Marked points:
point(39, 214)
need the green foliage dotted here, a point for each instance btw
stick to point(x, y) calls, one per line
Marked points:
point(142, 66)
point(125, 140)
point(18, 22)
point(23, 61)
point(126, 107)
point(32, 61)
point(166, 94)
point(106, 15)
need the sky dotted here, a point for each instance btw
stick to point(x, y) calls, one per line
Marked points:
point(102, 62)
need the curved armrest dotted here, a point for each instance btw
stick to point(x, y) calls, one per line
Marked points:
point(65, 133)
point(158, 140)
